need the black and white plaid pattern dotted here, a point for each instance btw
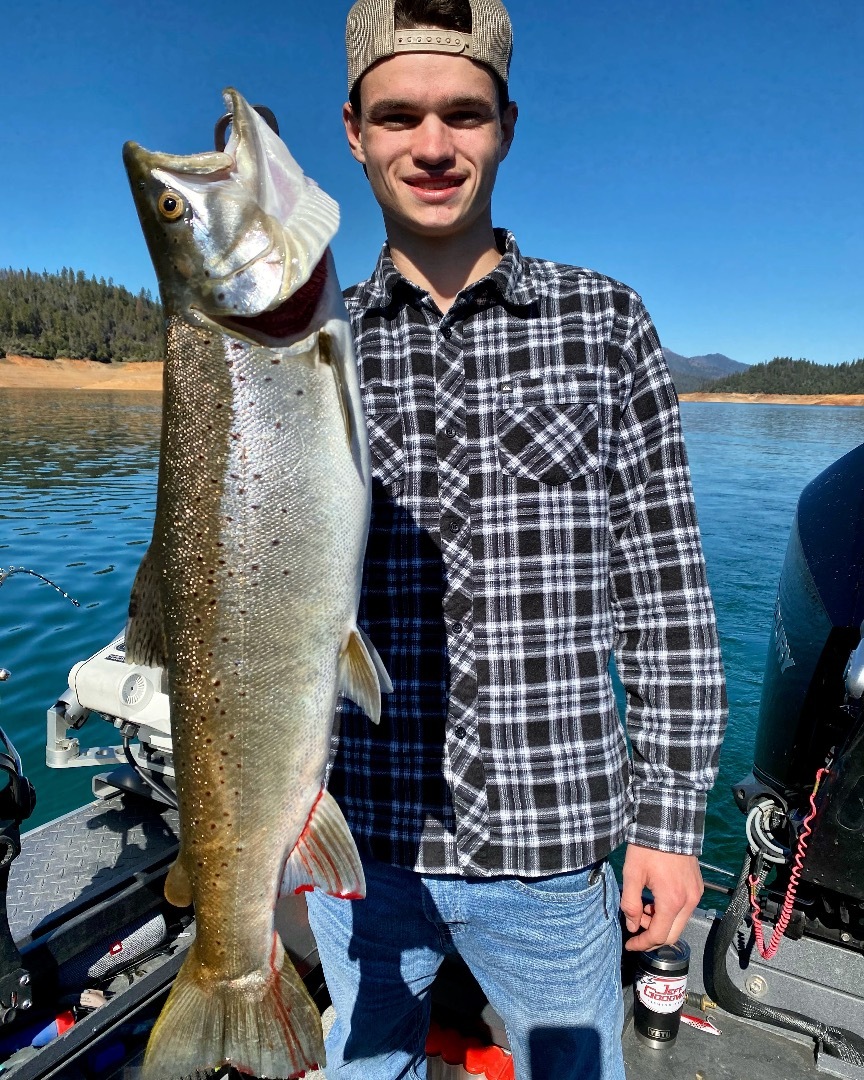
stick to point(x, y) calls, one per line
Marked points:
point(532, 510)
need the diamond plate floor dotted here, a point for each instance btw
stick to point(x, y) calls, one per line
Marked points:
point(68, 863)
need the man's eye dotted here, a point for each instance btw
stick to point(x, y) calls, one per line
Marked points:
point(465, 118)
point(397, 119)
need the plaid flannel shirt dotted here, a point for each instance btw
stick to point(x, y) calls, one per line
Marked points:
point(532, 511)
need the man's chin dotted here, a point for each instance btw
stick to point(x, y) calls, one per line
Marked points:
point(438, 226)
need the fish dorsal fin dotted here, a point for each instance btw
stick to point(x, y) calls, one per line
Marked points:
point(362, 675)
point(145, 628)
point(178, 887)
point(325, 855)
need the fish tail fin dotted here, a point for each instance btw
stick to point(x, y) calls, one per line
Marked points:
point(265, 1025)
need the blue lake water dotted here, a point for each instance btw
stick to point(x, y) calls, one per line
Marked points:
point(77, 496)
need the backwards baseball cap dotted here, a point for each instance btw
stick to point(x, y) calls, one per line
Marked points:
point(370, 35)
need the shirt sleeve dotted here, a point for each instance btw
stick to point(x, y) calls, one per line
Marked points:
point(666, 645)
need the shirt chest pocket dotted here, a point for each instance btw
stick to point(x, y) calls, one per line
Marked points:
point(386, 435)
point(546, 430)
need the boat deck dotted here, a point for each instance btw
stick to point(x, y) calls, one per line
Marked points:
point(91, 872)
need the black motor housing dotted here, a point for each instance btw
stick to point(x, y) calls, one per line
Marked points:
point(804, 714)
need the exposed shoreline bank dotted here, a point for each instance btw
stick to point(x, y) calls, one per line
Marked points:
point(778, 399)
point(29, 373)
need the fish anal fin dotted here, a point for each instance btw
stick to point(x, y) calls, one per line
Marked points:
point(178, 887)
point(362, 675)
point(326, 350)
point(145, 628)
point(264, 1025)
point(325, 855)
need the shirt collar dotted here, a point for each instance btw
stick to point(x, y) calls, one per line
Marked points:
point(511, 279)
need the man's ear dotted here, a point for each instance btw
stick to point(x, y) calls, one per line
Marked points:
point(352, 130)
point(508, 127)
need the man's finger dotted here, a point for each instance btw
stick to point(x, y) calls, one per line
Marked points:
point(631, 904)
point(657, 931)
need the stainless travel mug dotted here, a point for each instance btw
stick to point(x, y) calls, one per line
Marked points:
point(659, 991)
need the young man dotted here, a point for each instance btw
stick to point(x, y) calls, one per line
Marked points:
point(532, 511)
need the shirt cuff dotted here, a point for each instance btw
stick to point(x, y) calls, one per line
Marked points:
point(669, 819)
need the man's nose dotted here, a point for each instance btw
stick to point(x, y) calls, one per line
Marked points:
point(434, 142)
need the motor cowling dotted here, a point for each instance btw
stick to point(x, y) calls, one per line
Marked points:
point(807, 715)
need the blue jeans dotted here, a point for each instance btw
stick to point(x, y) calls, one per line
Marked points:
point(546, 953)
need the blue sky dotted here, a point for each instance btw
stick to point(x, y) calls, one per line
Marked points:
point(710, 154)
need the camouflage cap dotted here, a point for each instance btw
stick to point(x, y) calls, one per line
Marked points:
point(370, 35)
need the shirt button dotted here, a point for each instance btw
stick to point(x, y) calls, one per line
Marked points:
point(454, 527)
point(459, 732)
point(446, 331)
point(457, 627)
point(450, 432)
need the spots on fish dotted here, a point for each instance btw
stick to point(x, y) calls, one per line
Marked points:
point(299, 393)
point(275, 360)
point(220, 296)
point(275, 543)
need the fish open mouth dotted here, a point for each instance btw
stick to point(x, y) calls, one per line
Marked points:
point(290, 318)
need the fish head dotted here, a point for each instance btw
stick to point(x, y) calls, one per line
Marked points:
point(233, 235)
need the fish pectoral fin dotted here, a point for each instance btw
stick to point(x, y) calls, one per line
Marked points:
point(178, 887)
point(145, 627)
point(325, 855)
point(327, 353)
point(362, 675)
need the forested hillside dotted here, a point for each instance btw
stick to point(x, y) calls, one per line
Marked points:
point(69, 314)
point(783, 375)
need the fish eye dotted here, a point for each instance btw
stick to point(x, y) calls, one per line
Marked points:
point(171, 206)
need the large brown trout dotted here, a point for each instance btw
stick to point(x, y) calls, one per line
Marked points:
point(248, 592)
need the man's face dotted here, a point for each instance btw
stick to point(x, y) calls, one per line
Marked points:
point(431, 137)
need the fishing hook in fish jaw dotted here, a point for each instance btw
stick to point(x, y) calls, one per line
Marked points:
point(220, 132)
point(23, 570)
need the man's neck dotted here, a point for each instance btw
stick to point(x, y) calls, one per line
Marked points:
point(443, 266)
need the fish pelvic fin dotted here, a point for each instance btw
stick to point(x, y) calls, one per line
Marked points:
point(145, 628)
point(362, 675)
point(265, 1024)
point(325, 856)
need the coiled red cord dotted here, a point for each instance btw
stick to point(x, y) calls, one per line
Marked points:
point(767, 952)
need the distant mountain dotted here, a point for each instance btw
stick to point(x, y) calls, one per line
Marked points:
point(691, 373)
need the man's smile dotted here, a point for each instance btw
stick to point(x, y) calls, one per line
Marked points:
point(434, 188)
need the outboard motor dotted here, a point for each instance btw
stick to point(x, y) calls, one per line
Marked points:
point(804, 799)
point(811, 709)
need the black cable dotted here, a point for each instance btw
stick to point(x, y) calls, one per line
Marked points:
point(161, 789)
point(838, 1042)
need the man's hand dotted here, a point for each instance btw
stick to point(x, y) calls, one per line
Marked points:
point(675, 882)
